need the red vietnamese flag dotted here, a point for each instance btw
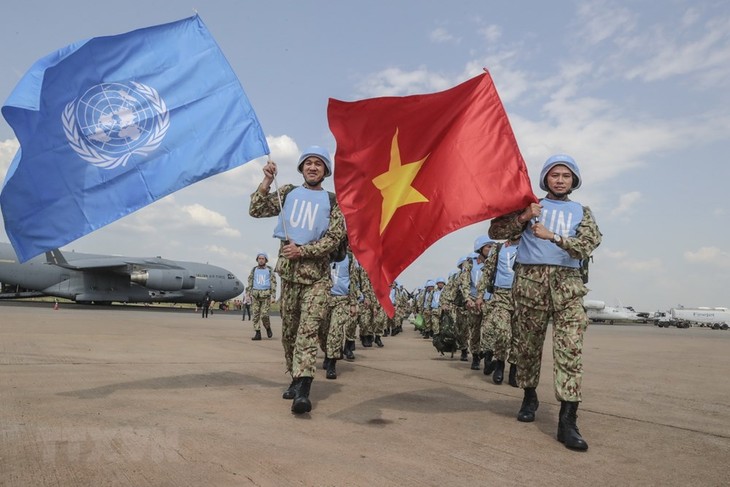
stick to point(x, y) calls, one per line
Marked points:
point(409, 170)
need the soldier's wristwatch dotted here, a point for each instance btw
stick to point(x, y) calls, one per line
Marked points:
point(557, 238)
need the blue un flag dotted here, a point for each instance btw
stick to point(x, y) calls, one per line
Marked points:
point(109, 125)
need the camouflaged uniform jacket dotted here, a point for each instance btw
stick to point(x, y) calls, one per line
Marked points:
point(272, 278)
point(563, 284)
point(581, 246)
point(314, 264)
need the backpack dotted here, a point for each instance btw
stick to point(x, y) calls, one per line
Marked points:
point(340, 252)
point(490, 284)
point(445, 340)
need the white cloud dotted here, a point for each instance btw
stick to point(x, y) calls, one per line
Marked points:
point(707, 55)
point(642, 265)
point(709, 255)
point(397, 82)
point(602, 20)
point(613, 254)
point(8, 148)
point(491, 33)
point(441, 36)
point(626, 203)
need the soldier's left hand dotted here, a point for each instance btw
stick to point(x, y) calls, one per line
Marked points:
point(541, 232)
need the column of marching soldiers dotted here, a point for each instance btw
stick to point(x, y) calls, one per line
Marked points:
point(469, 312)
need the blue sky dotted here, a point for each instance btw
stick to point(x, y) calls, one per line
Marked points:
point(637, 93)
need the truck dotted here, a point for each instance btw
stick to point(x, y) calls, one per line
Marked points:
point(716, 318)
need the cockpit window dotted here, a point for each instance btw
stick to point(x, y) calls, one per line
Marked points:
point(231, 276)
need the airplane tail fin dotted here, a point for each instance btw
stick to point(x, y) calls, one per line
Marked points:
point(55, 257)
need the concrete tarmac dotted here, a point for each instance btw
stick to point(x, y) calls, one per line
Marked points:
point(134, 396)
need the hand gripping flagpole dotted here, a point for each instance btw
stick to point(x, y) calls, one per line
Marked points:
point(281, 206)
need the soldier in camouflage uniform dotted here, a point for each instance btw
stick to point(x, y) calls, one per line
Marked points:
point(343, 310)
point(308, 236)
point(262, 290)
point(557, 234)
point(497, 278)
point(468, 285)
point(426, 309)
point(366, 310)
point(402, 308)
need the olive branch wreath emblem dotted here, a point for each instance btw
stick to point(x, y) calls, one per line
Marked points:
point(90, 154)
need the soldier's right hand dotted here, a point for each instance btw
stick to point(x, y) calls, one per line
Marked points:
point(270, 170)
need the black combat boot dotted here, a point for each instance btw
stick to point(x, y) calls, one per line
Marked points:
point(464, 355)
point(331, 370)
point(291, 391)
point(269, 333)
point(498, 375)
point(529, 406)
point(347, 350)
point(363, 340)
point(489, 364)
point(512, 375)
point(568, 433)
point(386, 332)
point(476, 358)
point(257, 336)
point(301, 403)
point(378, 341)
point(368, 341)
point(326, 363)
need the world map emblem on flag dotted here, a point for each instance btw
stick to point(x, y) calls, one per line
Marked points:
point(111, 122)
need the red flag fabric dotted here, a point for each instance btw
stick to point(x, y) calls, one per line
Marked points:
point(409, 170)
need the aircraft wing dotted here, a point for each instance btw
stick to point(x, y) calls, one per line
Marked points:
point(111, 263)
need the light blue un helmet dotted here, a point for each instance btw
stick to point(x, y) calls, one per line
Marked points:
point(560, 160)
point(264, 255)
point(481, 242)
point(320, 153)
point(440, 279)
point(430, 283)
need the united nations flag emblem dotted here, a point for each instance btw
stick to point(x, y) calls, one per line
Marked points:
point(111, 122)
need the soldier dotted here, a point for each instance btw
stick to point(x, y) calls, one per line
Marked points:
point(310, 227)
point(426, 307)
point(557, 234)
point(436, 305)
point(470, 278)
point(262, 290)
point(497, 279)
point(343, 310)
point(366, 314)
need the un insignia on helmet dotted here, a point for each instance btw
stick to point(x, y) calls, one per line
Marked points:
point(111, 122)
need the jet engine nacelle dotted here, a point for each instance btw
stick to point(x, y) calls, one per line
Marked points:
point(163, 279)
point(593, 304)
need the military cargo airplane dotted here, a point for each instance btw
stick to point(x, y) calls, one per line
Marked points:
point(598, 312)
point(101, 279)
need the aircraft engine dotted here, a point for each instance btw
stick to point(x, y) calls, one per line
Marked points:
point(163, 279)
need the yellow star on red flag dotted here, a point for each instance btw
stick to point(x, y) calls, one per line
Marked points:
point(395, 184)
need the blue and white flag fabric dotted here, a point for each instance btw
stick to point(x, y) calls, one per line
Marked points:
point(111, 124)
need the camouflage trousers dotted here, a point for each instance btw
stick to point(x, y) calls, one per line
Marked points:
point(543, 292)
point(497, 324)
point(333, 331)
point(260, 306)
point(462, 332)
point(365, 318)
point(474, 330)
point(380, 320)
point(427, 319)
point(303, 310)
point(435, 320)
point(351, 325)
